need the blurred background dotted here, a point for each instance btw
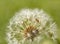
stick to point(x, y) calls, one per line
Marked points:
point(9, 7)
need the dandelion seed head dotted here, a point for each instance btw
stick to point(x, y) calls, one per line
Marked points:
point(30, 24)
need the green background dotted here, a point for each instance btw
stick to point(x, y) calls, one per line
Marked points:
point(9, 7)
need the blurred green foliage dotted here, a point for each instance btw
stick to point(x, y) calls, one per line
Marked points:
point(9, 7)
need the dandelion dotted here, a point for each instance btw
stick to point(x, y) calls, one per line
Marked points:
point(30, 26)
